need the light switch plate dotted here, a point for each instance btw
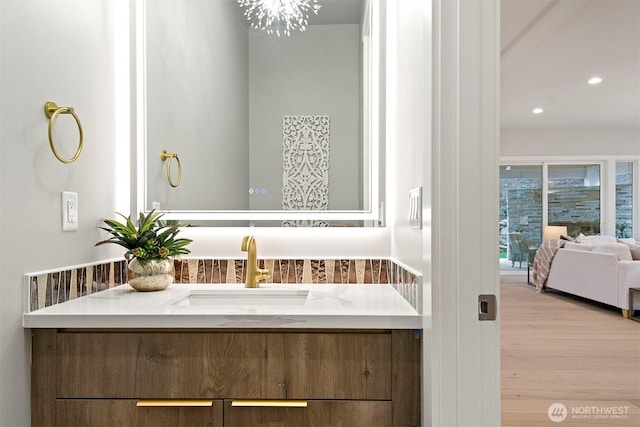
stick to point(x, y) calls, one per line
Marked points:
point(69, 211)
point(415, 208)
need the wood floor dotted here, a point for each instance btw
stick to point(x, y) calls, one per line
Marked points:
point(558, 349)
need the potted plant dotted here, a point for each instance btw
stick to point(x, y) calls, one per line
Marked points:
point(621, 230)
point(151, 247)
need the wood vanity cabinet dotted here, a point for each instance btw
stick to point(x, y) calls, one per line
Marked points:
point(318, 413)
point(117, 412)
point(348, 378)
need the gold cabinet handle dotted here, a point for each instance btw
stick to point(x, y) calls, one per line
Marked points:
point(259, 403)
point(52, 111)
point(163, 403)
point(170, 156)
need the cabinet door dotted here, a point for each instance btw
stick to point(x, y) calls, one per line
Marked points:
point(318, 413)
point(125, 413)
point(337, 366)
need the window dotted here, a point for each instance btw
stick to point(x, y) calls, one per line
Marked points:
point(624, 199)
point(520, 204)
point(579, 194)
point(574, 198)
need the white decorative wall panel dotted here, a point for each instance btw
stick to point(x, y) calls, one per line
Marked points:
point(305, 164)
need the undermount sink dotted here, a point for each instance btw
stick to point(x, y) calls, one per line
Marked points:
point(254, 297)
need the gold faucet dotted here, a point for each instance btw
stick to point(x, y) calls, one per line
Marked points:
point(254, 274)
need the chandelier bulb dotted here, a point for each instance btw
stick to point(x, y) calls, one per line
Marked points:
point(283, 15)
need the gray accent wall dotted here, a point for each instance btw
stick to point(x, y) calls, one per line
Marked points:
point(316, 72)
point(198, 103)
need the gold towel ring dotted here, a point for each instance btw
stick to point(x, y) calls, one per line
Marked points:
point(169, 156)
point(51, 110)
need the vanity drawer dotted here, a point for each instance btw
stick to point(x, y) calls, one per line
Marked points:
point(317, 413)
point(126, 413)
point(192, 365)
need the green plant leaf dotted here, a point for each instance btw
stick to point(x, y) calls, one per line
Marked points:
point(151, 238)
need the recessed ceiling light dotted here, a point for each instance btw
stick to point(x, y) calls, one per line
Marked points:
point(537, 110)
point(594, 80)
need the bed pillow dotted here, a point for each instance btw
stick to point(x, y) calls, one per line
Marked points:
point(595, 239)
point(634, 250)
point(628, 241)
point(606, 239)
point(577, 246)
point(620, 250)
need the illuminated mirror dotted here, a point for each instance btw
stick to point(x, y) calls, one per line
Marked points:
point(244, 128)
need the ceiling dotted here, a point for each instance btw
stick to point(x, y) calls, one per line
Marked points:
point(550, 48)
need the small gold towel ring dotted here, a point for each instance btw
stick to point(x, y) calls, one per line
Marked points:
point(169, 156)
point(51, 110)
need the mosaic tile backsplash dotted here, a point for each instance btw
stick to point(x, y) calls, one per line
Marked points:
point(54, 287)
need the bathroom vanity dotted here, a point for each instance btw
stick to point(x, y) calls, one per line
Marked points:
point(349, 355)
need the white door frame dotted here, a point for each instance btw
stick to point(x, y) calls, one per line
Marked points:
point(464, 371)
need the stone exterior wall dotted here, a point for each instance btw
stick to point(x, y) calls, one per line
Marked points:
point(624, 209)
point(570, 204)
point(525, 212)
point(576, 207)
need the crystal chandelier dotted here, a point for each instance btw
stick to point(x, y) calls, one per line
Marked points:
point(279, 16)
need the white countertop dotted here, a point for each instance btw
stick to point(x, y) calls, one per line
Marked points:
point(326, 306)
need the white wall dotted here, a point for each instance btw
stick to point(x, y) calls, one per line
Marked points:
point(569, 142)
point(60, 51)
point(316, 72)
point(291, 242)
point(408, 122)
point(198, 103)
point(63, 51)
point(409, 157)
